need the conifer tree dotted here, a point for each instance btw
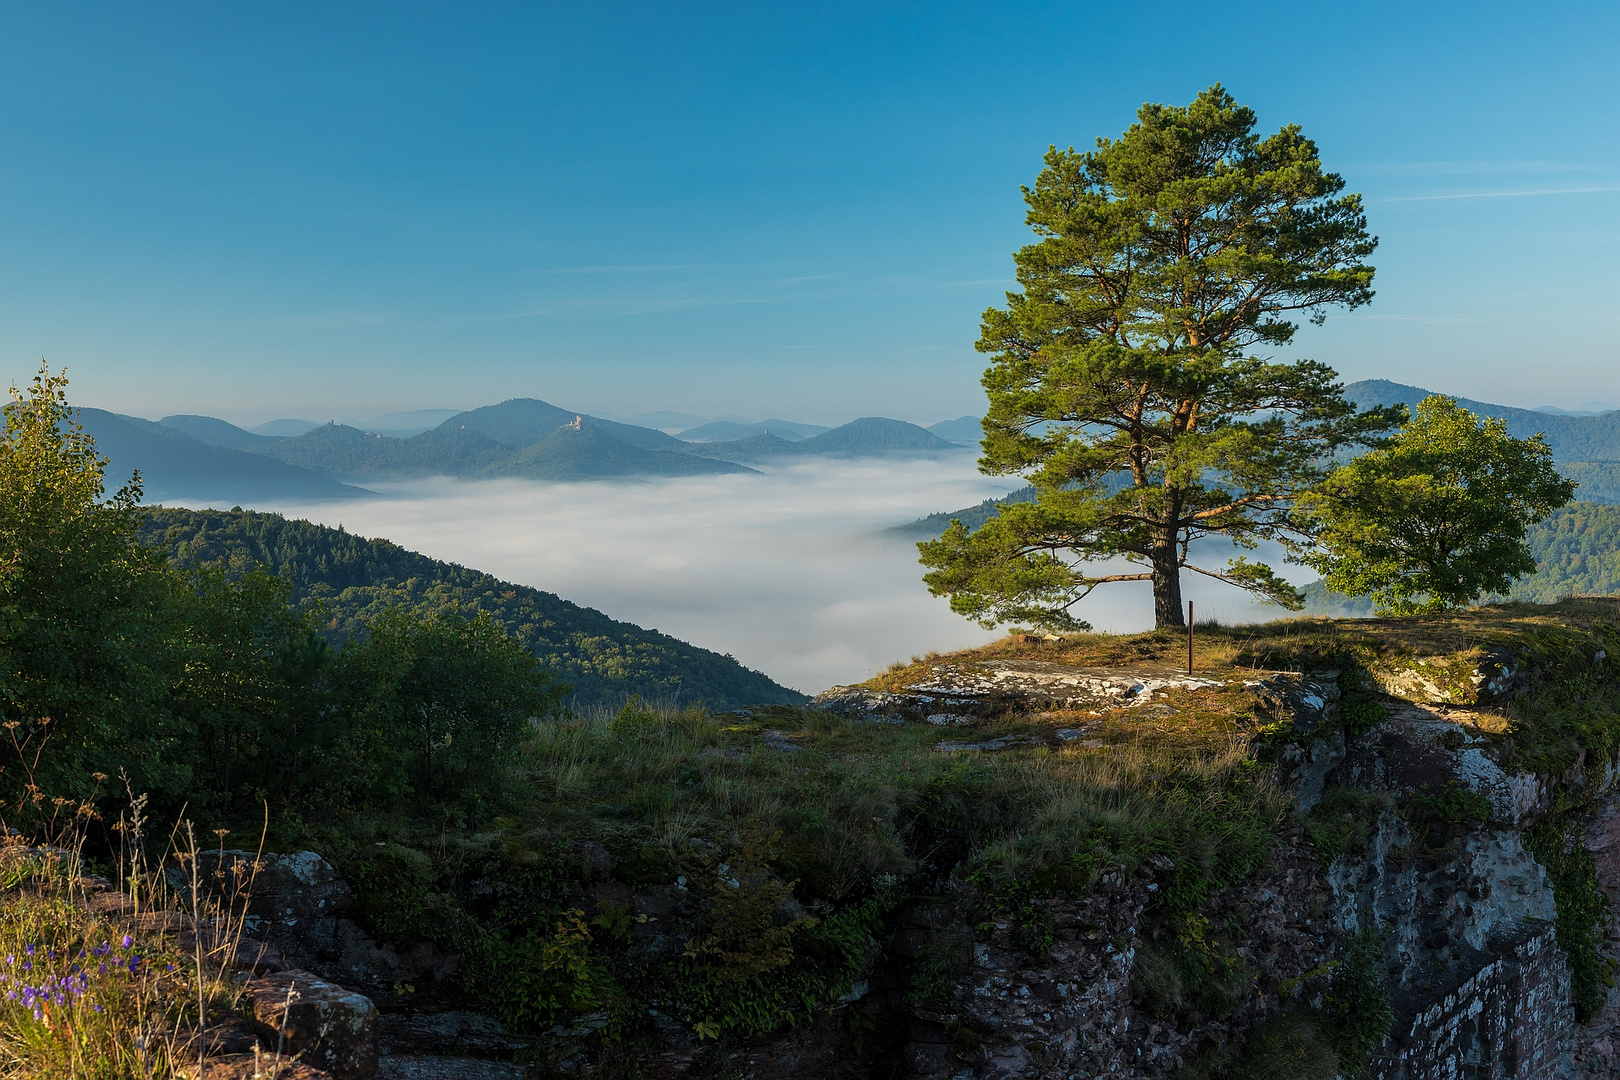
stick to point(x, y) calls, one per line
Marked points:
point(1128, 376)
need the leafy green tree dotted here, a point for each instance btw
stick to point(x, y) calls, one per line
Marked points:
point(83, 610)
point(437, 705)
point(251, 682)
point(1123, 379)
point(1436, 518)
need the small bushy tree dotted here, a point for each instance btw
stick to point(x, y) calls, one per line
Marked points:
point(83, 610)
point(436, 706)
point(1438, 517)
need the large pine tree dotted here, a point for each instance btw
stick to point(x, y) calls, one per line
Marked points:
point(1128, 378)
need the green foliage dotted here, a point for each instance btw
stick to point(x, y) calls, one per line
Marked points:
point(1577, 551)
point(1306, 1043)
point(436, 707)
point(1359, 707)
point(352, 580)
point(1583, 909)
point(1164, 257)
point(204, 683)
point(1451, 805)
point(1599, 480)
point(1286, 1046)
point(1358, 1008)
point(252, 684)
point(84, 611)
point(1438, 517)
point(1189, 970)
point(1573, 712)
point(1343, 820)
point(546, 971)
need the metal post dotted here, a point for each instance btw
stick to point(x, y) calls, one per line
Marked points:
point(1189, 636)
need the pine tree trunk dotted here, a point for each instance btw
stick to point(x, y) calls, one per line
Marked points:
point(1167, 606)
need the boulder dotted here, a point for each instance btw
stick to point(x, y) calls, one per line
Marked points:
point(283, 890)
point(322, 1024)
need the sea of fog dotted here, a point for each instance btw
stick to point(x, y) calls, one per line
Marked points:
point(789, 570)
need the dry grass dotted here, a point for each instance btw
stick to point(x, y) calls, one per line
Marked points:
point(94, 982)
point(1289, 644)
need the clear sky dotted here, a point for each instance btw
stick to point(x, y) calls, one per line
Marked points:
point(329, 210)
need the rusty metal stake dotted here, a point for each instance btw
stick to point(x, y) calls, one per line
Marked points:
point(1189, 636)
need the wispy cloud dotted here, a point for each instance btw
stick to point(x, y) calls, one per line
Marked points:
point(1472, 168)
point(1595, 189)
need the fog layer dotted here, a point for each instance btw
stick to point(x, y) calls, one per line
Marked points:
point(787, 571)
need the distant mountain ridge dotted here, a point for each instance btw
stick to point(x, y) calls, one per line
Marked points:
point(967, 430)
point(870, 435)
point(730, 431)
point(520, 422)
point(175, 465)
point(216, 432)
point(590, 453)
point(1594, 437)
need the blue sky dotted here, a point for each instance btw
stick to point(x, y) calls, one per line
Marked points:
point(324, 210)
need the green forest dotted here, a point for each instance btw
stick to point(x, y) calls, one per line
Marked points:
point(351, 580)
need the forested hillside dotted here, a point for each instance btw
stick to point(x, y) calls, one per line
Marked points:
point(355, 579)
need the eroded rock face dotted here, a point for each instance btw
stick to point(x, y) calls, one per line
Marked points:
point(1480, 985)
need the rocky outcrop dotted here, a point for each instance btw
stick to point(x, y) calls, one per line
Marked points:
point(961, 692)
point(1467, 915)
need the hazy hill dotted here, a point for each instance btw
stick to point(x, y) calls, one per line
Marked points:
point(964, 429)
point(876, 435)
point(1572, 438)
point(285, 428)
point(355, 578)
point(753, 448)
point(350, 452)
point(590, 453)
point(1599, 480)
point(729, 431)
point(566, 453)
point(216, 432)
point(403, 425)
point(930, 527)
point(176, 466)
point(522, 422)
point(870, 436)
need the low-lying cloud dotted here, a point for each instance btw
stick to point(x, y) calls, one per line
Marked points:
point(789, 571)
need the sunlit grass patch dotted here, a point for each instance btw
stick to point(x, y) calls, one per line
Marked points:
point(84, 995)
